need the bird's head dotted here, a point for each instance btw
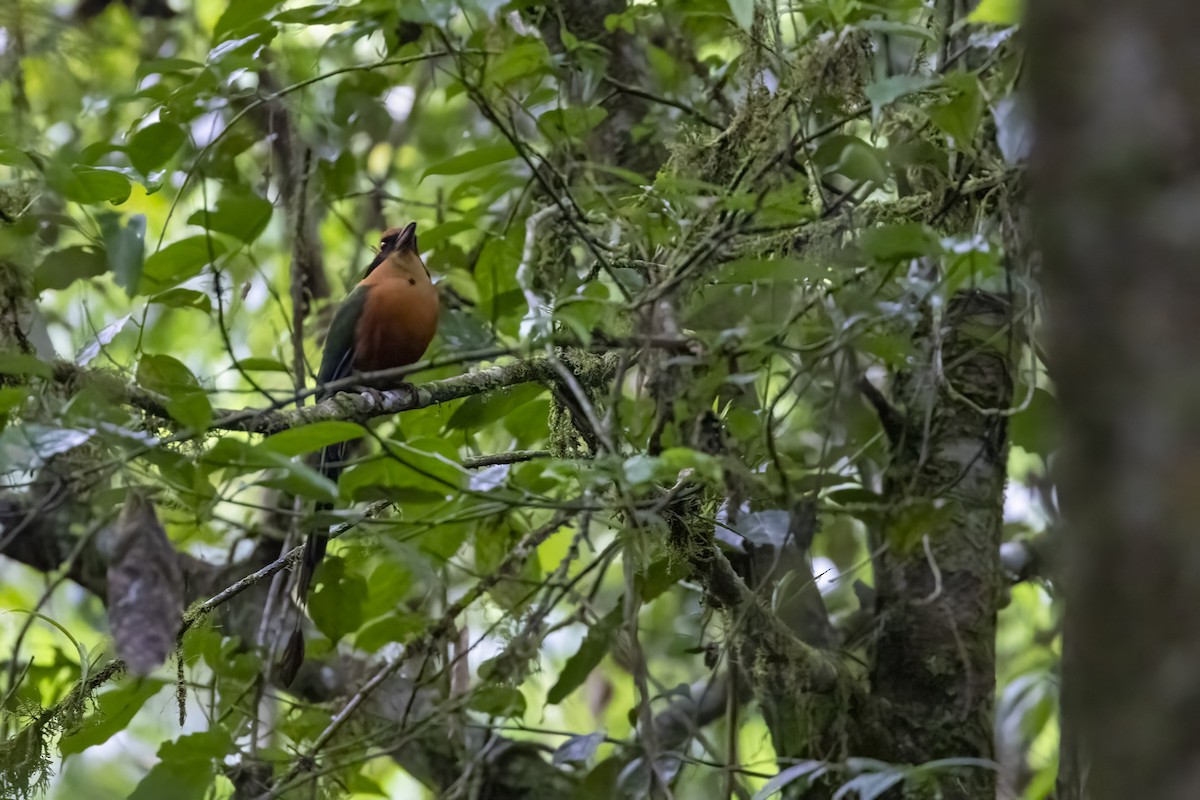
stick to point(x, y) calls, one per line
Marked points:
point(399, 248)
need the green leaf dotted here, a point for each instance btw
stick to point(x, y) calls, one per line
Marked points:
point(521, 62)
point(113, 711)
point(300, 479)
point(640, 469)
point(239, 13)
point(660, 576)
point(959, 117)
point(336, 607)
point(11, 397)
point(153, 146)
point(498, 701)
point(676, 459)
point(310, 438)
point(782, 270)
point(12, 157)
point(125, 247)
point(397, 628)
point(61, 268)
point(187, 402)
point(166, 66)
point(894, 350)
point(181, 473)
point(591, 652)
point(165, 374)
point(183, 298)
point(293, 475)
point(187, 767)
point(179, 261)
point(852, 157)
point(390, 583)
point(356, 783)
point(323, 14)
point(80, 650)
point(479, 411)
point(439, 233)
point(887, 91)
point(998, 12)
point(570, 124)
point(493, 544)
point(473, 159)
point(24, 364)
point(242, 51)
point(743, 13)
point(259, 364)
point(91, 185)
point(243, 216)
point(899, 242)
point(423, 465)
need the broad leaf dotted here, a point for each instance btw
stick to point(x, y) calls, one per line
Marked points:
point(126, 249)
point(473, 159)
point(243, 216)
point(113, 711)
point(153, 146)
point(591, 652)
point(187, 402)
point(61, 268)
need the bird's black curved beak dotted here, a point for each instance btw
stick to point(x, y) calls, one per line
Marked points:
point(407, 240)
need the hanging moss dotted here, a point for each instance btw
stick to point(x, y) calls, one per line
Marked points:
point(833, 73)
point(570, 433)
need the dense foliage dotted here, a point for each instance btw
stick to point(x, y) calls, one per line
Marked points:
point(739, 314)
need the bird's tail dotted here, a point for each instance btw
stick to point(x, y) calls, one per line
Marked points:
point(330, 465)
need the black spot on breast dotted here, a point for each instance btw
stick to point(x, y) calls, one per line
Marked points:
point(412, 281)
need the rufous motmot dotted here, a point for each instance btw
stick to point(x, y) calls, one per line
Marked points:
point(387, 321)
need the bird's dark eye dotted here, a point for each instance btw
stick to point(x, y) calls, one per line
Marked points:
point(390, 241)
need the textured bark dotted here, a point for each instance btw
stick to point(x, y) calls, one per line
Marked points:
point(290, 154)
point(938, 573)
point(1117, 169)
point(613, 139)
point(347, 403)
point(145, 588)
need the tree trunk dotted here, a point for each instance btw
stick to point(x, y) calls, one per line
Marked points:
point(938, 577)
point(1117, 96)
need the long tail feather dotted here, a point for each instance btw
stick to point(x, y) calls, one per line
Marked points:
point(330, 465)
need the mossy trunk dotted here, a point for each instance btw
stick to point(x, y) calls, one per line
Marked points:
point(938, 574)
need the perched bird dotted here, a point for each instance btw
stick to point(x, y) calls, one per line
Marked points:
point(386, 321)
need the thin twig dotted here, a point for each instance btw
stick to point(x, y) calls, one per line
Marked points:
point(422, 644)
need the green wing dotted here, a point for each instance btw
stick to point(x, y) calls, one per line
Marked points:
point(338, 359)
point(336, 362)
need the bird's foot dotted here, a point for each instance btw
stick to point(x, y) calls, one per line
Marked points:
point(377, 397)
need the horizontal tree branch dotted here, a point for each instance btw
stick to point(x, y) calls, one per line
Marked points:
point(495, 459)
point(363, 407)
point(392, 395)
